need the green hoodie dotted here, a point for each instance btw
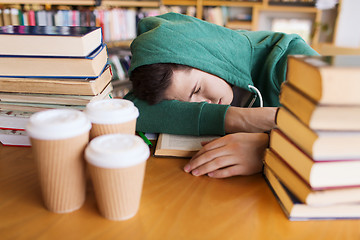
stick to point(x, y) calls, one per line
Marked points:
point(241, 58)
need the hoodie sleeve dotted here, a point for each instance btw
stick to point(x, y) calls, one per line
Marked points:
point(183, 118)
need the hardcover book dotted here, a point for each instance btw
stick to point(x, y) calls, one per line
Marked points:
point(71, 86)
point(326, 79)
point(90, 66)
point(317, 116)
point(64, 99)
point(298, 211)
point(320, 145)
point(36, 107)
point(300, 187)
point(76, 41)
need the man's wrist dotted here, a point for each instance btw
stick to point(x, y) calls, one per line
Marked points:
point(249, 119)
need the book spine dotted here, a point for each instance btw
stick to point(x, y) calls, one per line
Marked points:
point(21, 17)
point(1, 18)
point(6, 17)
point(31, 18)
point(14, 16)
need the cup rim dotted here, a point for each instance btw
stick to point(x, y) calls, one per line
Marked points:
point(54, 124)
point(104, 151)
point(111, 111)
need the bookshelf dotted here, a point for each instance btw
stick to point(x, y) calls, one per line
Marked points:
point(258, 11)
point(258, 14)
point(264, 15)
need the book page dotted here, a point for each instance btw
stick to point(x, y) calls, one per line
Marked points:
point(14, 138)
point(184, 142)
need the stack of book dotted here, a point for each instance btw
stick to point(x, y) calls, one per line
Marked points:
point(46, 67)
point(313, 162)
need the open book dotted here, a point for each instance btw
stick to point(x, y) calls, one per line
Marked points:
point(179, 145)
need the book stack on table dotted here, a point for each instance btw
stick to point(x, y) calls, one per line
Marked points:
point(47, 67)
point(313, 161)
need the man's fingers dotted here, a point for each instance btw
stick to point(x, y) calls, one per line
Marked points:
point(227, 172)
point(214, 164)
point(202, 159)
point(211, 145)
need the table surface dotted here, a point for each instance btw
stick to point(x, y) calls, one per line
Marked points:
point(174, 205)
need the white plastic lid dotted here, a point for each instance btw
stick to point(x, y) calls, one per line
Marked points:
point(57, 124)
point(116, 151)
point(111, 111)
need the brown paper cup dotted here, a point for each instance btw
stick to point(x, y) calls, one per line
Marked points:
point(112, 116)
point(117, 166)
point(59, 138)
point(102, 129)
point(61, 170)
point(118, 191)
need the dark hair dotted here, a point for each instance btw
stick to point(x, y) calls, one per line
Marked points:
point(151, 81)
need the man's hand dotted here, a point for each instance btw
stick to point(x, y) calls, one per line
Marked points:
point(233, 154)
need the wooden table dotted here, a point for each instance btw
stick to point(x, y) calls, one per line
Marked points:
point(174, 205)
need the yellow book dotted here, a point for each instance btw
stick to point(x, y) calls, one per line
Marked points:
point(53, 66)
point(320, 145)
point(326, 79)
point(64, 99)
point(298, 211)
point(317, 116)
point(322, 183)
point(69, 86)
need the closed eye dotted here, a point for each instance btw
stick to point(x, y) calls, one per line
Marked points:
point(198, 90)
point(194, 90)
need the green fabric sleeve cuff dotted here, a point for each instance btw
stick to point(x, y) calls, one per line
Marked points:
point(212, 119)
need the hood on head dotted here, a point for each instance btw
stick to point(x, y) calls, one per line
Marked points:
point(181, 39)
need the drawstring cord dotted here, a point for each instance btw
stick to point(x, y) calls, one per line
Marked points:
point(258, 93)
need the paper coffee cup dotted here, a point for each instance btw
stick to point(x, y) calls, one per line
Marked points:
point(117, 167)
point(58, 138)
point(112, 116)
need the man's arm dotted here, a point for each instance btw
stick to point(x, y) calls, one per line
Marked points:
point(184, 118)
point(250, 119)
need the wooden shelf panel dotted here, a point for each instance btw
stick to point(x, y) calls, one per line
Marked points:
point(232, 3)
point(115, 3)
point(289, 9)
point(179, 3)
point(331, 49)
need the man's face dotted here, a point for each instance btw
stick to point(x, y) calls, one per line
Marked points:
point(197, 86)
